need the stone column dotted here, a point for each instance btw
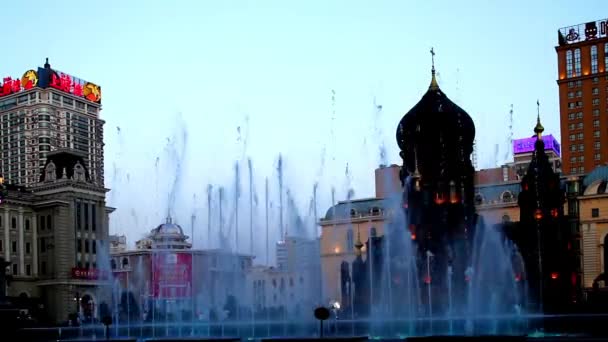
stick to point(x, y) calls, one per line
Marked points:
point(34, 226)
point(21, 242)
point(7, 235)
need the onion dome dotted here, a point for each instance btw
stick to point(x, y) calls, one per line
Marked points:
point(169, 228)
point(435, 121)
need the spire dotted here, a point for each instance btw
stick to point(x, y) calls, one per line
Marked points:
point(434, 85)
point(539, 128)
point(46, 64)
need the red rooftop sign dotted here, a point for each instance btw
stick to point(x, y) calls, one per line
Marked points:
point(47, 77)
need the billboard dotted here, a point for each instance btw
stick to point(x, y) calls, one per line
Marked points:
point(171, 274)
point(89, 273)
point(583, 32)
point(526, 145)
point(49, 78)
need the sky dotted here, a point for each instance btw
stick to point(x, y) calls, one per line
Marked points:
point(192, 87)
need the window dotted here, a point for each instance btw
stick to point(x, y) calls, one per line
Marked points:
point(579, 83)
point(507, 196)
point(595, 91)
point(595, 212)
point(571, 127)
point(581, 147)
point(573, 170)
point(596, 134)
point(0, 245)
point(596, 145)
point(597, 156)
point(581, 169)
point(86, 246)
point(15, 269)
point(594, 59)
point(571, 116)
point(596, 80)
point(579, 93)
point(42, 245)
point(606, 61)
point(349, 240)
point(78, 246)
point(48, 222)
point(94, 246)
point(596, 123)
point(569, 64)
point(43, 267)
point(579, 125)
point(595, 102)
point(596, 112)
point(570, 84)
point(580, 136)
point(579, 104)
point(571, 105)
point(572, 148)
point(572, 160)
point(14, 246)
point(14, 223)
point(579, 115)
point(577, 62)
point(28, 269)
point(570, 94)
point(27, 224)
point(27, 248)
point(581, 159)
point(572, 137)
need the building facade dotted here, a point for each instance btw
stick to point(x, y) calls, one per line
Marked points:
point(47, 110)
point(55, 236)
point(165, 279)
point(582, 58)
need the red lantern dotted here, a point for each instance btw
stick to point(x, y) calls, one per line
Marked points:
point(554, 212)
point(518, 277)
point(413, 236)
point(427, 279)
point(554, 275)
point(439, 199)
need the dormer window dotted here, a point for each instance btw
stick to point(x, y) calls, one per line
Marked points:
point(375, 211)
point(353, 213)
point(478, 199)
point(79, 172)
point(507, 196)
point(50, 174)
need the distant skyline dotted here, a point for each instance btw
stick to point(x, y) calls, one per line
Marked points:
point(225, 81)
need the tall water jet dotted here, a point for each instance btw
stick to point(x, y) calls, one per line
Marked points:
point(221, 218)
point(209, 210)
point(280, 178)
point(237, 195)
point(267, 223)
point(250, 169)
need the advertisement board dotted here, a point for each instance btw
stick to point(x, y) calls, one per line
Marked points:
point(526, 145)
point(171, 274)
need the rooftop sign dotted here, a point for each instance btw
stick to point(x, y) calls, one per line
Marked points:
point(49, 78)
point(583, 32)
point(526, 145)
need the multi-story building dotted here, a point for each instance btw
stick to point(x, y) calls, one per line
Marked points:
point(47, 110)
point(582, 57)
point(164, 274)
point(55, 237)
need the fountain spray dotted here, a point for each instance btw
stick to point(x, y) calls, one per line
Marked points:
point(280, 176)
point(237, 194)
point(267, 225)
point(209, 194)
point(250, 169)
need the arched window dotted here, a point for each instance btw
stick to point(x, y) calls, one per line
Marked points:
point(507, 197)
point(375, 211)
point(113, 264)
point(125, 262)
point(594, 59)
point(349, 240)
point(506, 218)
point(601, 189)
point(353, 213)
point(569, 64)
point(577, 62)
point(478, 199)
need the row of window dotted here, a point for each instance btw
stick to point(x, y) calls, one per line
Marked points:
point(581, 147)
point(43, 222)
point(14, 249)
point(573, 61)
point(579, 136)
point(596, 123)
point(579, 93)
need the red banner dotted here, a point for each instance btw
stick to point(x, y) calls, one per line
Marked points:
point(171, 274)
point(88, 274)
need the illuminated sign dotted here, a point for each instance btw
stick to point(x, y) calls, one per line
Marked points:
point(527, 145)
point(88, 274)
point(45, 78)
point(583, 32)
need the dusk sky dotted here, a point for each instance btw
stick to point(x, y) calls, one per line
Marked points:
point(227, 80)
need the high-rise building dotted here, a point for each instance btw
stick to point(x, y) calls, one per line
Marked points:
point(47, 110)
point(582, 56)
